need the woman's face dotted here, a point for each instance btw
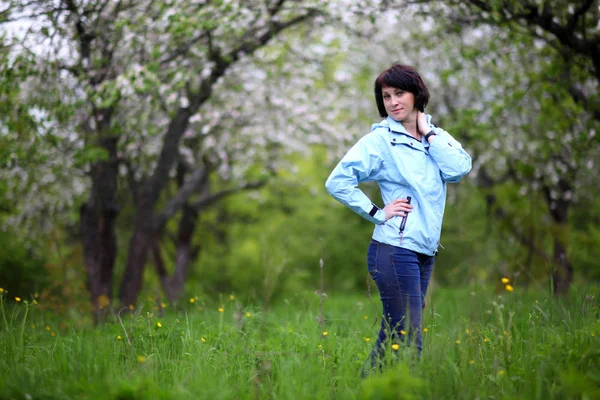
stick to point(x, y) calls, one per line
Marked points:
point(399, 104)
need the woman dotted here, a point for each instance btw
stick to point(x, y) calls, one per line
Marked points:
point(411, 160)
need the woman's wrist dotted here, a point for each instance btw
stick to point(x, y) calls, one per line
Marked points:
point(430, 134)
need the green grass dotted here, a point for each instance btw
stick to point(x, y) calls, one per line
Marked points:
point(519, 345)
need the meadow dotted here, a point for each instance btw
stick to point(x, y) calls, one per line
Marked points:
point(479, 343)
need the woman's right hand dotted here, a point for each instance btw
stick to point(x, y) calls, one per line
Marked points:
point(397, 208)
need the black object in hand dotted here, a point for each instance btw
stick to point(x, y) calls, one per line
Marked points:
point(403, 223)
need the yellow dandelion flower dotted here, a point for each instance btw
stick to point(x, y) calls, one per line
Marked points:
point(457, 341)
point(468, 332)
point(35, 302)
point(425, 330)
point(131, 306)
point(593, 334)
point(367, 339)
point(231, 297)
point(221, 309)
point(118, 337)
point(509, 288)
point(501, 372)
point(203, 340)
point(486, 340)
point(1, 290)
point(325, 333)
point(159, 324)
point(47, 328)
point(52, 334)
point(102, 301)
point(18, 299)
point(141, 359)
point(395, 346)
point(505, 280)
point(248, 314)
point(472, 362)
point(403, 332)
point(163, 305)
point(192, 300)
point(366, 317)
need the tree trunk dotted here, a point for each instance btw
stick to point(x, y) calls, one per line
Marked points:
point(161, 269)
point(562, 273)
point(138, 249)
point(144, 230)
point(97, 227)
point(186, 251)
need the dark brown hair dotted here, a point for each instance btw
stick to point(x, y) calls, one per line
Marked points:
point(401, 77)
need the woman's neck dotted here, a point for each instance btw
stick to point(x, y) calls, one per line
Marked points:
point(410, 124)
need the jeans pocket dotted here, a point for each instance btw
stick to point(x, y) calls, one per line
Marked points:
point(372, 259)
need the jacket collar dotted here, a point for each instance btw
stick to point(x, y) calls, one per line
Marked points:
point(390, 124)
point(399, 135)
point(396, 126)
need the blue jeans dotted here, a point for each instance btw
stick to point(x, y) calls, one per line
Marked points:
point(402, 277)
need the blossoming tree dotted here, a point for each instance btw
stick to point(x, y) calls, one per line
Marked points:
point(174, 101)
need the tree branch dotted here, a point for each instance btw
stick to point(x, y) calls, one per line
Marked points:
point(133, 185)
point(4, 14)
point(183, 49)
point(275, 8)
point(248, 47)
point(546, 20)
point(180, 121)
point(182, 196)
point(581, 98)
point(210, 199)
point(97, 9)
point(583, 8)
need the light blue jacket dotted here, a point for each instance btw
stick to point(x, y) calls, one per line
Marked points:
point(402, 166)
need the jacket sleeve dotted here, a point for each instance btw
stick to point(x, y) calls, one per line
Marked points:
point(361, 164)
point(454, 162)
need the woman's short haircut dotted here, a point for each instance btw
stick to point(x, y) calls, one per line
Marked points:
point(401, 77)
